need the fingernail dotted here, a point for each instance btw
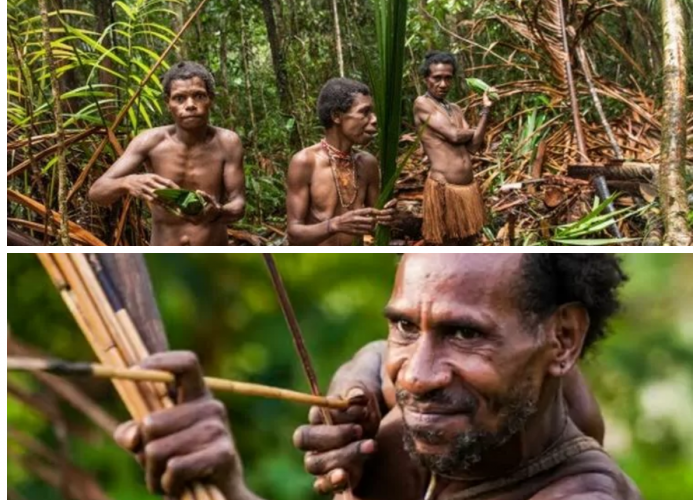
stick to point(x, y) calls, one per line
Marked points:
point(354, 392)
point(368, 447)
point(337, 476)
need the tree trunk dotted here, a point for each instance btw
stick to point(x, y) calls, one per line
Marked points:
point(279, 65)
point(60, 134)
point(338, 39)
point(672, 189)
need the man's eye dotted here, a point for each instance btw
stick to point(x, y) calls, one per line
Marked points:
point(466, 334)
point(406, 327)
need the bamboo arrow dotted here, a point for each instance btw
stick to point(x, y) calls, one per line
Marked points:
point(60, 367)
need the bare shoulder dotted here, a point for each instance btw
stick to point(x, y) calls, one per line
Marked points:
point(368, 163)
point(591, 486)
point(301, 165)
point(227, 137)
point(420, 102)
point(149, 139)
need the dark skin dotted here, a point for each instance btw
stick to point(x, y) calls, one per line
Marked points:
point(365, 374)
point(447, 139)
point(438, 306)
point(190, 154)
point(314, 212)
point(455, 328)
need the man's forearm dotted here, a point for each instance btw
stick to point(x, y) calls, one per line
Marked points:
point(480, 132)
point(462, 135)
point(234, 210)
point(106, 191)
point(309, 234)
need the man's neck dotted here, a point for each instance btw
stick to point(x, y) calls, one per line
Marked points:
point(542, 430)
point(444, 102)
point(191, 137)
point(337, 140)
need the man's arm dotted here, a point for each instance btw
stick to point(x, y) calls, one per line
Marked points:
point(425, 111)
point(120, 178)
point(234, 179)
point(480, 131)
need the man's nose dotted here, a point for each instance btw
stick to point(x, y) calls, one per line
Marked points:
point(189, 103)
point(373, 119)
point(424, 371)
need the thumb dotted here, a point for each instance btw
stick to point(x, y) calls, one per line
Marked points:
point(128, 436)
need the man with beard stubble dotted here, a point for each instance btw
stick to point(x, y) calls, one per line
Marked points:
point(478, 348)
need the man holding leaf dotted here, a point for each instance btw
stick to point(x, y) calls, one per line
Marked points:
point(331, 187)
point(453, 211)
point(205, 161)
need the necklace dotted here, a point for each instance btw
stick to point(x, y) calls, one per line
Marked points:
point(340, 161)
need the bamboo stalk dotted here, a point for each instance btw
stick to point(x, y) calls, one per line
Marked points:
point(132, 348)
point(92, 328)
point(59, 367)
point(96, 330)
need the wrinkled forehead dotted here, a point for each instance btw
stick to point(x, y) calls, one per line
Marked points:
point(193, 84)
point(441, 70)
point(449, 281)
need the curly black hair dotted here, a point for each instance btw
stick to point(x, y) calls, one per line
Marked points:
point(435, 57)
point(551, 280)
point(337, 95)
point(185, 70)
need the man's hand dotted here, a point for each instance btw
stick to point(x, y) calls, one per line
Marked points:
point(143, 185)
point(387, 213)
point(190, 442)
point(487, 102)
point(336, 453)
point(359, 222)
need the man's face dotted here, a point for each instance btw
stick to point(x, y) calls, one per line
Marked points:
point(467, 371)
point(189, 103)
point(439, 81)
point(359, 123)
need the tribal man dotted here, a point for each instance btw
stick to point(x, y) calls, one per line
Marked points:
point(331, 188)
point(190, 154)
point(478, 350)
point(453, 211)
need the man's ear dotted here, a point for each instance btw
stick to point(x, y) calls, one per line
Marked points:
point(336, 117)
point(571, 323)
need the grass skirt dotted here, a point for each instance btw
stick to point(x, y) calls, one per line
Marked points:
point(451, 212)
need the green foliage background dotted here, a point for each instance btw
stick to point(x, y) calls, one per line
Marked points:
point(223, 307)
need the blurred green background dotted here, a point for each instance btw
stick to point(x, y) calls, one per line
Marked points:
point(223, 307)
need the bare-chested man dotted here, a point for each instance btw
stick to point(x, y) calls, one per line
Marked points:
point(191, 154)
point(478, 352)
point(453, 211)
point(332, 189)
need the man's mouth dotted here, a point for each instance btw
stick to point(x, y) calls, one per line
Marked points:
point(430, 417)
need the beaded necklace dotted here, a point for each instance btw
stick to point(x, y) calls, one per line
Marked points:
point(341, 160)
